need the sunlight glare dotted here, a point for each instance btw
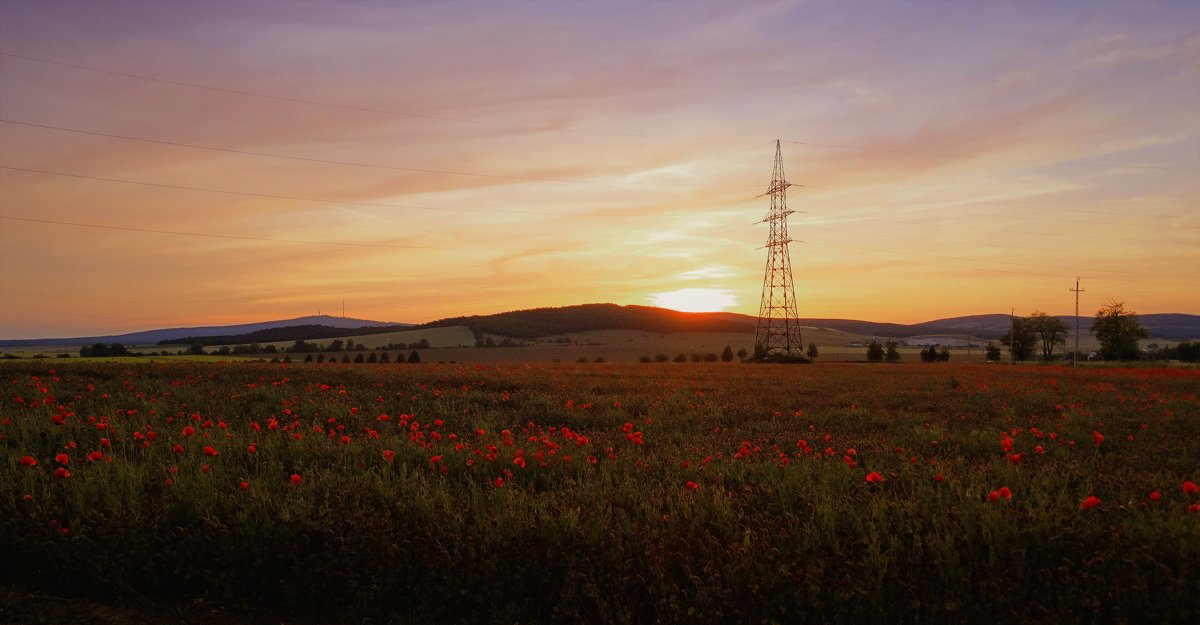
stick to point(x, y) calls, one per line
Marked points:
point(695, 300)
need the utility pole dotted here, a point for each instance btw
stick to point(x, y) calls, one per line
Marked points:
point(778, 330)
point(1077, 290)
point(1012, 337)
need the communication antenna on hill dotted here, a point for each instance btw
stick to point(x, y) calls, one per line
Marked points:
point(1077, 290)
point(778, 331)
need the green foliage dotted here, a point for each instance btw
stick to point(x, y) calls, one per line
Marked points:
point(1118, 331)
point(571, 319)
point(1021, 338)
point(774, 531)
point(1051, 332)
point(100, 350)
point(892, 354)
point(929, 354)
point(992, 352)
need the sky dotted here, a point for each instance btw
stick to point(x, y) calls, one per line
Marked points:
point(187, 163)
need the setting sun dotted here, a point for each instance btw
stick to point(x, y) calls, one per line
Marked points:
point(695, 300)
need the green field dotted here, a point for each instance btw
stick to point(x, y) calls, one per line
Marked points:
point(708, 493)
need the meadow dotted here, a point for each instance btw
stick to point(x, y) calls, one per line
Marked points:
point(614, 493)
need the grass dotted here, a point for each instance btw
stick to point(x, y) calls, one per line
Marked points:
point(606, 493)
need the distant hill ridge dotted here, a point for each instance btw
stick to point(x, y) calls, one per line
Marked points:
point(541, 322)
point(150, 337)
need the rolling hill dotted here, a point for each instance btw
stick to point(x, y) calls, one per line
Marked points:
point(544, 322)
point(150, 337)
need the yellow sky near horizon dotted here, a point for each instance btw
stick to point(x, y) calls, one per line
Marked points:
point(185, 164)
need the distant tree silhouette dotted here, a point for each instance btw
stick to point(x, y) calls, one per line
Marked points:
point(742, 353)
point(727, 355)
point(345, 358)
point(1118, 331)
point(1051, 331)
point(812, 351)
point(359, 359)
point(372, 358)
point(414, 357)
point(384, 358)
point(944, 355)
point(893, 354)
point(992, 352)
point(196, 349)
point(874, 351)
point(680, 358)
point(929, 354)
point(1021, 339)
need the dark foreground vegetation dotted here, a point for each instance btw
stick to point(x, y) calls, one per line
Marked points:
point(705, 493)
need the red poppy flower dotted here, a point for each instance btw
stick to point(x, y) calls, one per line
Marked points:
point(62, 473)
point(1155, 496)
point(1098, 437)
point(178, 449)
point(937, 477)
point(251, 448)
point(499, 482)
point(1190, 488)
point(994, 495)
point(296, 479)
point(96, 456)
point(244, 485)
point(389, 455)
point(1091, 502)
point(435, 459)
point(189, 430)
point(29, 461)
point(209, 451)
point(104, 442)
point(62, 459)
point(1005, 492)
point(874, 478)
point(690, 485)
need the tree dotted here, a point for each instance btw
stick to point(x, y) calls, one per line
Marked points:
point(308, 358)
point(680, 358)
point(812, 351)
point(874, 351)
point(1024, 344)
point(1051, 331)
point(893, 354)
point(414, 357)
point(373, 357)
point(992, 351)
point(929, 354)
point(1118, 331)
point(944, 354)
point(742, 353)
point(196, 349)
point(384, 358)
point(727, 355)
point(336, 345)
point(359, 358)
point(661, 358)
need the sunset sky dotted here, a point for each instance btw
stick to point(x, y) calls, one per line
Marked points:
point(187, 163)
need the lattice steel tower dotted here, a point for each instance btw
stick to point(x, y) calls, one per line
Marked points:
point(778, 324)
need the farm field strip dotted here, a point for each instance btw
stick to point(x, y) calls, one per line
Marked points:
point(608, 493)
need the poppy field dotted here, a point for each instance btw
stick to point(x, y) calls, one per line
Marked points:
point(699, 493)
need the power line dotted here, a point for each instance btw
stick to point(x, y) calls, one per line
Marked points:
point(985, 158)
point(324, 161)
point(221, 236)
point(349, 107)
point(310, 199)
point(542, 128)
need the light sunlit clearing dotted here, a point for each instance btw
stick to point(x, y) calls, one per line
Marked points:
point(695, 300)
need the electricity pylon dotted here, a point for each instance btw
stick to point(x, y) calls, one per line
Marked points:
point(778, 323)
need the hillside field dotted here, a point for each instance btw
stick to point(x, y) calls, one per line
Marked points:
point(694, 493)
